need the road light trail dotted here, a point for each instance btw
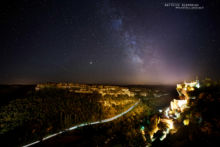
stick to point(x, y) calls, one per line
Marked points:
point(85, 124)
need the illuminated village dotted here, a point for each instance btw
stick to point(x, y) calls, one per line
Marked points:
point(169, 116)
point(83, 88)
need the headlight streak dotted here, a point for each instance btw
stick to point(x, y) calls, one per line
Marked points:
point(85, 124)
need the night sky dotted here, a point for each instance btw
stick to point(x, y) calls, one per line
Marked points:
point(108, 41)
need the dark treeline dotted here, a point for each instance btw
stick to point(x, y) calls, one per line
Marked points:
point(12, 92)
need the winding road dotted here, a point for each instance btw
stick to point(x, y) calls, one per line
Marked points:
point(86, 124)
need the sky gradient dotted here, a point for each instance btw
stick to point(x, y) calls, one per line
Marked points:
point(108, 41)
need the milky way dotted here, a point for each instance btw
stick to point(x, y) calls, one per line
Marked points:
point(145, 48)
